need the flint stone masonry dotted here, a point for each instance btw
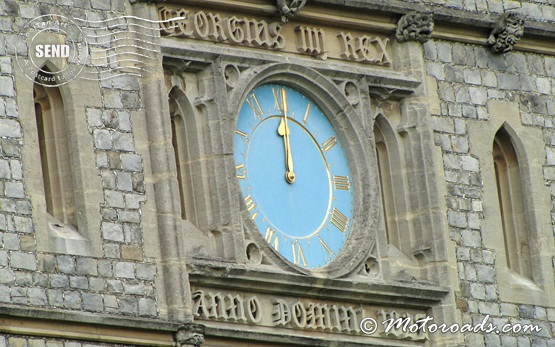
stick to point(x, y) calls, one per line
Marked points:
point(24, 261)
point(474, 82)
point(67, 281)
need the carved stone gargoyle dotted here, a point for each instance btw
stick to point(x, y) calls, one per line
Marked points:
point(415, 26)
point(288, 8)
point(506, 33)
point(190, 335)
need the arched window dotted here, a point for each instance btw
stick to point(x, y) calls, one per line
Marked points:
point(511, 204)
point(386, 185)
point(180, 153)
point(55, 154)
point(392, 186)
point(188, 157)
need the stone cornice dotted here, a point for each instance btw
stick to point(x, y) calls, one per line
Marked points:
point(77, 325)
point(413, 294)
point(382, 16)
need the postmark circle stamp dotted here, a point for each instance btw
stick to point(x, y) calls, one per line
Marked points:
point(57, 40)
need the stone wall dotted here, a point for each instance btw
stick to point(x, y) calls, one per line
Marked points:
point(535, 10)
point(122, 281)
point(468, 78)
point(25, 341)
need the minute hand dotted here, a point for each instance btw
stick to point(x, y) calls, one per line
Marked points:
point(283, 130)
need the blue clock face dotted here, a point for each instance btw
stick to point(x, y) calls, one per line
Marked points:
point(294, 175)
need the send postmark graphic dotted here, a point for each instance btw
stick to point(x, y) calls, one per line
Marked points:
point(56, 39)
point(59, 49)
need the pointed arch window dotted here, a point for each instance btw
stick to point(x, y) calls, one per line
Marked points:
point(511, 204)
point(394, 206)
point(187, 148)
point(386, 184)
point(180, 153)
point(55, 154)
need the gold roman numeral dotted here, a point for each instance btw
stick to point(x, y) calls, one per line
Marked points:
point(239, 132)
point(298, 254)
point(276, 97)
point(242, 174)
point(340, 221)
point(251, 206)
point(325, 246)
point(305, 119)
point(341, 182)
point(252, 100)
point(332, 141)
point(272, 238)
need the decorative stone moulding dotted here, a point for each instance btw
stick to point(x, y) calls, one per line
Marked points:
point(190, 335)
point(289, 8)
point(507, 32)
point(351, 92)
point(415, 26)
point(231, 75)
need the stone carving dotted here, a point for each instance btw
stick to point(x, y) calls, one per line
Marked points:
point(288, 8)
point(317, 316)
point(312, 41)
point(364, 49)
point(506, 33)
point(231, 75)
point(213, 27)
point(229, 308)
point(190, 335)
point(351, 92)
point(415, 26)
point(297, 313)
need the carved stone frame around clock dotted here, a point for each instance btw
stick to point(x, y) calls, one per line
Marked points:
point(348, 124)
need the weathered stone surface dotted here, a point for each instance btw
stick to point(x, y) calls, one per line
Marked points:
point(9, 128)
point(146, 271)
point(6, 86)
point(93, 302)
point(124, 270)
point(131, 162)
point(147, 307)
point(66, 264)
point(87, 266)
point(24, 261)
point(129, 305)
point(112, 231)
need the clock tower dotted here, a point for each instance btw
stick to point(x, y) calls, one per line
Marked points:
point(279, 173)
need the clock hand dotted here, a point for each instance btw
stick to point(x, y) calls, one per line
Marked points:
point(283, 130)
